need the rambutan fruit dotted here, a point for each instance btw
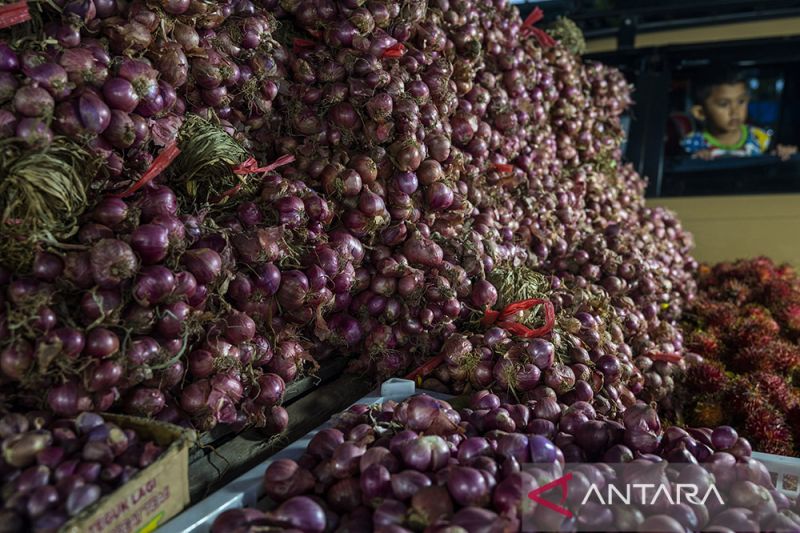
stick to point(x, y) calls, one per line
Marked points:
point(767, 429)
point(705, 377)
point(783, 356)
point(704, 273)
point(735, 290)
point(790, 316)
point(708, 413)
point(793, 421)
point(780, 292)
point(737, 392)
point(776, 356)
point(720, 314)
point(776, 390)
point(748, 359)
point(756, 272)
point(765, 276)
point(756, 331)
point(750, 410)
point(755, 311)
point(704, 342)
point(723, 270)
point(786, 271)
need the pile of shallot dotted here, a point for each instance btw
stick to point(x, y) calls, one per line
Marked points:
point(423, 153)
point(423, 465)
point(54, 468)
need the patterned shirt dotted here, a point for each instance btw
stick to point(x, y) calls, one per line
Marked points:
point(752, 141)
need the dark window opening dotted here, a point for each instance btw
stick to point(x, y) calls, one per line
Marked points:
point(662, 116)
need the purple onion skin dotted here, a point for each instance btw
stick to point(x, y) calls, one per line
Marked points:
point(35, 132)
point(9, 61)
point(94, 113)
point(120, 94)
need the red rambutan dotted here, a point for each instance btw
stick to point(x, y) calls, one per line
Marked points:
point(757, 331)
point(722, 315)
point(779, 293)
point(775, 389)
point(766, 428)
point(784, 356)
point(723, 270)
point(705, 377)
point(736, 394)
point(793, 421)
point(786, 271)
point(749, 410)
point(734, 290)
point(748, 359)
point(790, 316)
point(707, 412)
point(704, 342)
point(776, 356)
point(764, 272)
point(705, 275)
point(756, 312)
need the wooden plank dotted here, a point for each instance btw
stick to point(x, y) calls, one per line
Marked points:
point(221, 434)
point(246, 450)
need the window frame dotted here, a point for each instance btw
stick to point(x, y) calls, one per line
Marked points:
point(651, 71)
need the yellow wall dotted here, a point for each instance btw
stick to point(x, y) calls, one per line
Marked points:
point(713, 33)
point(733, 227)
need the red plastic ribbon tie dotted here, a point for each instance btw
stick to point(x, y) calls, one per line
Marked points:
point(425, 369)
point(250, 166)
point(667, 357)
point(299, 44)
point(533, 17)
point(505, 168)
point(528, 28)
point(500, 318)
point(230, 192)
point(13, 14)
point(396, 50)
point(160, 163)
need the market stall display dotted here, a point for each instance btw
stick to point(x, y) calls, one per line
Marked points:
point(422, 465)
point(203, 202)
point(379, 245)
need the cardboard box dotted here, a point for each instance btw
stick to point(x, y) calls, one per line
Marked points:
point(153, 495)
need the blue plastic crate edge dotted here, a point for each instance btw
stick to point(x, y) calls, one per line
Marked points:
point(783, 467)
point(246, 490)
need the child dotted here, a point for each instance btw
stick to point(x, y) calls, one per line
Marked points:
point(720, 104)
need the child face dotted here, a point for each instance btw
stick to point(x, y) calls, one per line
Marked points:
point(725, 110)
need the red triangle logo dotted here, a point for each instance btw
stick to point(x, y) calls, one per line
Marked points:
point(562, 482)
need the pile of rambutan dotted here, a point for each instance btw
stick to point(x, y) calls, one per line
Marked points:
point(744, 367)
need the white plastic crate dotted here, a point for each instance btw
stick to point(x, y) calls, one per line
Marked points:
point(785, 472)
point(246, 490)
